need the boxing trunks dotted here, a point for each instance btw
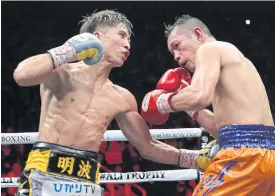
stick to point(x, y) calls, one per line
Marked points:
point(245, 165)
point(53, 170)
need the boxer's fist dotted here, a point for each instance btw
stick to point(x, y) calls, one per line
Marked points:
point(88, 48)
point(198, 159)
point(207, 154)
point(85, 46)
point(174, 79)
point(154, 107)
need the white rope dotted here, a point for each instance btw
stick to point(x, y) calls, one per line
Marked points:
point(130, 177)
point(110, 135)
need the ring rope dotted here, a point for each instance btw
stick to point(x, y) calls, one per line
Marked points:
point(129, 177)
point(110, 135)
point(116, 178)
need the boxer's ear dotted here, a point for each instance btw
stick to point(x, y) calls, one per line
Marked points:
point(198, 34)
point(97, 34)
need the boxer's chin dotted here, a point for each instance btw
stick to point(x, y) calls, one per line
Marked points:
point(118, 63)
point(189, 66)
point(183, 65)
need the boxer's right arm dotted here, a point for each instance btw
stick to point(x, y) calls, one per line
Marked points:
point(35, 70)
point(42, 68)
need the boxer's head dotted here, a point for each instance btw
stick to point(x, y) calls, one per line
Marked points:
point(114, 30)
point(184, 38)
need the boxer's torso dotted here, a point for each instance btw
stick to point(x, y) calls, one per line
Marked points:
point(240, 95)
point(77, 109)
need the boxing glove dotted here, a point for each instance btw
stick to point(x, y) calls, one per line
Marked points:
point(207, 154)
point(156, 105)
point(174, 80)
point(85, 46)
point(153, 111)
point(198, 159)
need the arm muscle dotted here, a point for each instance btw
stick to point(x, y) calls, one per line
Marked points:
point(35, 70)
point(137, 132)
point(201, 91)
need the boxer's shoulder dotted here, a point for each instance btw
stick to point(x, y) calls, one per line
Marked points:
point(208, 49)
point(218, 46)
point(227, 52)
point(127, 96)
point(122, 91)
point(63, 71)
point(70, 68)
point(230, 53)
point(63, 75)
point(226, 47)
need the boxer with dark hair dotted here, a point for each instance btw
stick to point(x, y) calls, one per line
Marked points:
point(242, 121)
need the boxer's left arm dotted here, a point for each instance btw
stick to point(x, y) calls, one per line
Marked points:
point(200, 93)
point(137, 132)
point(207, 121)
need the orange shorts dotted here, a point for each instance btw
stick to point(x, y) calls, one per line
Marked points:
point(245, 165)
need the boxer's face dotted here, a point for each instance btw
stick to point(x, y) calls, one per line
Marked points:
point(183, 48)
point(116, 44)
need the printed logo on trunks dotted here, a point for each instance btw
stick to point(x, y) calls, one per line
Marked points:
point(70, 189)
point(212, 181)
point(66, 164)
point(74, 166)
point(84, 170)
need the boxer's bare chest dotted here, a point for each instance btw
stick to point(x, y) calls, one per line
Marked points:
point(93, 100)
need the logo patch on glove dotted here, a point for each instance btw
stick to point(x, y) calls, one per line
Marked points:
point(145, 102)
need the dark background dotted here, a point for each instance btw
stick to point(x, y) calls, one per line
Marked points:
point(30, 28)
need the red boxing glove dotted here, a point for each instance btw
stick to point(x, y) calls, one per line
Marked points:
point(156, 106)
point(174, 79)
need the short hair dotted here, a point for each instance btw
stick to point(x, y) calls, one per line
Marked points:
point(105, 18)
point(189, 23)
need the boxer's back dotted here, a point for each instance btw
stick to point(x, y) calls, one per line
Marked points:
point(240, 95)
point(77, 109)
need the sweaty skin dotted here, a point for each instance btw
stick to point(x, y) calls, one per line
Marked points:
point(78, 101)
point(225, 78)
point(240, 91)
point(77, 110)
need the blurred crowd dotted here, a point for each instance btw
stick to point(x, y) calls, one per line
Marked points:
point(30, 28)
